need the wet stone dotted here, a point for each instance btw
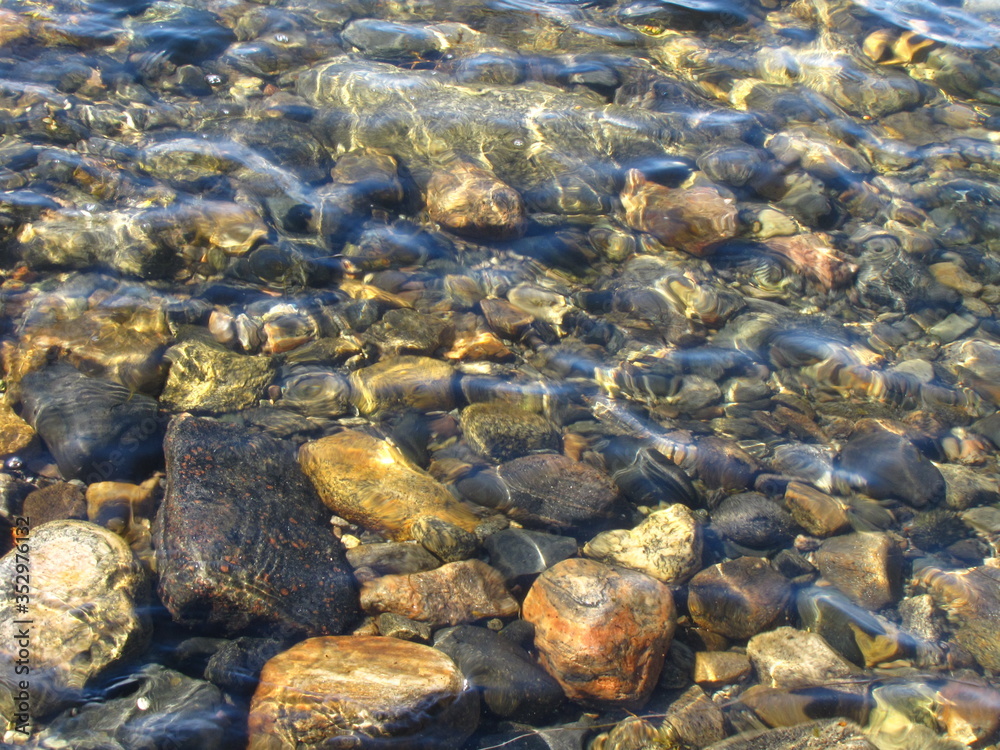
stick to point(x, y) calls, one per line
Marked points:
point(972, 600)
point(235, 666)
point(818, 513)
point(834, 734)
point(364, 690)
point(76, 567)
point(713, 669)
point(739, 599)
point(667, 545)
point(520, 553)
point(544, 491)
point(471, 201)
point(17, 438)
point(751, 520)
point(97, 430)
point(206, 377)
point(788, 658)
point(391, 557)
point(410, 332)
point(155, 708)
point(121, 501)
point(417, 382)
point(510, 683)
point(370, 482)
point(57, 502)
point(454, 593)
point(243, 544)
point(865, 566)
point(966, 487)
point(502, 432)
point(602, 632)
point(393, 41)
point(695, 719)
point(885, 464)
point(396, 626)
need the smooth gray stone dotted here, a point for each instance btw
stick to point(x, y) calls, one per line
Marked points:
point(97, 430)
point(512, 685)
point(518, 553)
point(887, 465)
point(163, 710)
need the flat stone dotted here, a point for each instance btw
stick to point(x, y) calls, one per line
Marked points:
point(86, 602)
point(155, 708)
point(955, 277)
point(971, 598)
point(953, 327)
point(207, 377)
point(740, 598)
point(361, 692)
point(454, 593)
point(667, 545)
point(865, 566)
point(97, 430)
point(818, 513)
point(834, 734)
point(419, 383)
point(243, 544)
point(966, 487)
point(520, 553)
point(407, 331)
point(500, 431)
point(396, 626)
point(713, 669)
point(789, 658)
point(57, 502)
point(602, 632)
point(511, 684)
point(504, 318)
point(371, 483)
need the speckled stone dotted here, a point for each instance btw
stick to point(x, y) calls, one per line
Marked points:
point(454, 593)
point(17, 438)
point(243, 544)
point(87, 592)
point(602, 632)
point(834, 734)
point(713, 669)
point(865, 566)
point(59, 501)
point(789, 658)
point(206, 377)
point(500, 431)
point(362, 692)
point(666, 545)
point(740, 598)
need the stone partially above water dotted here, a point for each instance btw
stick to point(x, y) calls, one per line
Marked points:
point(206, 377)
point(97, 430)
point(370, 482)
point(87, 591)
point(454, 593)
point(667, 545)
point(362, 692)
point(243, 544)
point(601, 631)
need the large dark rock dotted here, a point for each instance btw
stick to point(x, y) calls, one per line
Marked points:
point(885, 464)
point(243, 543)
point(157, 709)
point(512, 685)
point(97, 430)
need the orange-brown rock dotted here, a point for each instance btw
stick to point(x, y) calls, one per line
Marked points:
point(504, 318)
point(739, 598)
point(458, 592)
point(17, 437)
point(472, 201)
point(690, 219)
point(361, 692)
point(601, 631)
point(473, 346)
point(818, 513)
point(812, 256)
point(122, 500)
point(371, 483)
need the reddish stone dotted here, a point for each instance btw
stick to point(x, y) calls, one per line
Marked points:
point(601, 631)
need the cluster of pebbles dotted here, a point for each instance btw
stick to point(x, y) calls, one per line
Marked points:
point(523, 374)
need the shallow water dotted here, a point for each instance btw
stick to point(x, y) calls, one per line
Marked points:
point(700, 242)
